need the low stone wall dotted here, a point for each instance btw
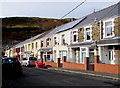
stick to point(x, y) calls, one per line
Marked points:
point(106, 68)
point(51, 64)
point(76, 66)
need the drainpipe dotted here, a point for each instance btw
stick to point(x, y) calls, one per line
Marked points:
point(100, 29)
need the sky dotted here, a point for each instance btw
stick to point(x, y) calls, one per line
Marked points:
point(51, 8)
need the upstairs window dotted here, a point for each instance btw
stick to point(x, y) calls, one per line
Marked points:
point(75, 35)
point(28, 47)
point(41, 43)
point(55, 41)
point(36, 45)
point(63, 39)
point(32, 45)
point(109, 28)
point(88, 34)
point(47, 42)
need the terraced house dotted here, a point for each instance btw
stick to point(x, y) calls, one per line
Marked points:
point(89, 43)
point(98, 34)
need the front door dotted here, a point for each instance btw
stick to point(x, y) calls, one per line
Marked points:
point(91, 59)
point(91, 56)
point(62, 53)
point(111, 56)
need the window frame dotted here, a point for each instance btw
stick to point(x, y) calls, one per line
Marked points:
point(29, 47)
point(111, 54)
point(36, 44)
point(105, 28)
point(63, 39)
point(81, 58)
point(87, 31)
point(32, 45)
point(47, 42)
point(55, 40)
point(41, 43)
point(74, 33)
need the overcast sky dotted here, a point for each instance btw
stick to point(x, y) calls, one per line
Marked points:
point(51, 9)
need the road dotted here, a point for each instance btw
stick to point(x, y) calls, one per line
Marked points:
point(34, 77)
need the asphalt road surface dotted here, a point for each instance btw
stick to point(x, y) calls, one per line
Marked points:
point(35, 78)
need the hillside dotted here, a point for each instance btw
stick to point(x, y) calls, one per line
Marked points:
point(21, 28)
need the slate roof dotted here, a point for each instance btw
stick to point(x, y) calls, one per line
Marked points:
point(53, 31)
point(101, 14)
point(71, 25)
point(45, 33)
point(27, 41)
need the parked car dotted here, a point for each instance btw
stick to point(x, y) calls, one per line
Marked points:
point(29, 61)
point(11, 66)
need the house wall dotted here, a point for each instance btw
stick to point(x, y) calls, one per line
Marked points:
point(35, 50)
point(117, 27)
point(117, 56)
point(80, 34)
point(96, 31)
point(44, 42)
point(61, 47)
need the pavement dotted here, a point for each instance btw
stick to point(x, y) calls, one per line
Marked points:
point(88, 72)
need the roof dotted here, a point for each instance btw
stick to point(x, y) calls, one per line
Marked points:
point(45, 33)
point(100, 15)
point(27, 41)
point(53, 31)
point(71, 24)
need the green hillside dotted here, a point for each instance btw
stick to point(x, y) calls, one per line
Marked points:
point(21, 28)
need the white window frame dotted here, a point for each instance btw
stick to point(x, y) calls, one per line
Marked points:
point(55, 40)
point(26, 47)
point(41, 43)
point(81, 59)
point(85, 33)
point(76, 33)
point(47, 42)
point(29, 45)
point(32, 45)
point(105, 31)
point(36, 44)
point(62, 39)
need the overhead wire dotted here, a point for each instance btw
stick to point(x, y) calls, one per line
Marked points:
point(73, 9)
